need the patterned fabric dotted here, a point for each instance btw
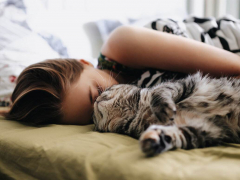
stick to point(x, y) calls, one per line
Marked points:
point(109, 64)
point(152, 77)
point(223, 33)
point(147, 77)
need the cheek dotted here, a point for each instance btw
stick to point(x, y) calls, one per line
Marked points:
point(85, 115)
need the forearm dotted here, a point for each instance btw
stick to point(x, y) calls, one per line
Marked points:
point(141, 47)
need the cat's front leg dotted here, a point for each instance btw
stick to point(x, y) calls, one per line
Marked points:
point(158, 139)
point(165, 96)
point(162, 104)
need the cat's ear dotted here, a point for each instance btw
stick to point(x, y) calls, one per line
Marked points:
point(163, 108)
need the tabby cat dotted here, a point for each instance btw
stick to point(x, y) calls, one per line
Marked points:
point(194, 112)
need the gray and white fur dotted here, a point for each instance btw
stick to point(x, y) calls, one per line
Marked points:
point(194, 112)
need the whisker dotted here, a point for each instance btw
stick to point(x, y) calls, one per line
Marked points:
point(101, 76)
point(117, 75)
point(99, 86)
point(96, 82)
point(102, 89)
point(109, 80)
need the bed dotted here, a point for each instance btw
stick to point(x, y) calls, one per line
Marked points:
point(77, 152)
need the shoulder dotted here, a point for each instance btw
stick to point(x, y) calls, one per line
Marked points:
point(119, 44)
point(115, 39)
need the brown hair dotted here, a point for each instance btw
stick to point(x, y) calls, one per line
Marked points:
point(38, 95)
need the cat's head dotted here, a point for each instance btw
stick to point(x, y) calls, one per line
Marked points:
point(118, 108)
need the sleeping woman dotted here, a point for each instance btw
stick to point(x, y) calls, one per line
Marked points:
point(64, 90)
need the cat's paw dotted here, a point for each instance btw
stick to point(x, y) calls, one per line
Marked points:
point(164, 109)
point(157, 139)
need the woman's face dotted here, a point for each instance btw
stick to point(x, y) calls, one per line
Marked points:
point(79, 99)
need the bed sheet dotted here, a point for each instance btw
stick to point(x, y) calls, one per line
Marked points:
point(77, 152)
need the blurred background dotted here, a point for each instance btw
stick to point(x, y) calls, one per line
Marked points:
point(34, 30)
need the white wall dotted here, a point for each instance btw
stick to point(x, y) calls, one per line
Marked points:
point(233, 8)
point(65, 18)
point(214, 8)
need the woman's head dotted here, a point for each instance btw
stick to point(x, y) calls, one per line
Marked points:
point(40, 90)
point(57, 91)
point(79, 99)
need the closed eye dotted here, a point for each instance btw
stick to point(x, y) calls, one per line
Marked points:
point(104, 97)
point(99, 91)
point(90, 96)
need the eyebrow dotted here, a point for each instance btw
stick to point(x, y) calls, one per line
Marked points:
point(90, 95)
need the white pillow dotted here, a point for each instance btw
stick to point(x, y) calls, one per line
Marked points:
point(19, 48)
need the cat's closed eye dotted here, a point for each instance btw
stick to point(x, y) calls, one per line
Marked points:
point(103, 97)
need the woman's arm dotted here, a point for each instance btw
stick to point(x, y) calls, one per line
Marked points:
point(141, 47)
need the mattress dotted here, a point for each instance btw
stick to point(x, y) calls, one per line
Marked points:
point(77, 152)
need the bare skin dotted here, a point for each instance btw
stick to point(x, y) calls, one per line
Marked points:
point(80, 97)
point(143, 48)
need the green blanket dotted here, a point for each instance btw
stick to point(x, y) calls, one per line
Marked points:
point(76, 152)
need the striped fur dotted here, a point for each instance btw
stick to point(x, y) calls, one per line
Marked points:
point(194, 112)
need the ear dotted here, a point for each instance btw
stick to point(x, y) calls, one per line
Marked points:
point(86, 62)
